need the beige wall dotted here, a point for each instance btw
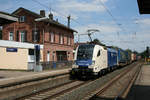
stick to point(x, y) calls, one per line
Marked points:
point(41, 54)
point(13, 60)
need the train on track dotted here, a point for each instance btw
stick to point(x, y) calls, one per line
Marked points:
point(95, 60)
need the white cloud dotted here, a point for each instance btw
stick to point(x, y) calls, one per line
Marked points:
point(77, 8)
point(144, 22)
point(81, 6)
point(107, 32)
point(108, 35)
point(6, 5)
point(104, 28)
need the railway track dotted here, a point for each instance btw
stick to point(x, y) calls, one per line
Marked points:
point(77, 90)
point(85, 90)
point(54, 92)
point(17, 90)
point(116, 88)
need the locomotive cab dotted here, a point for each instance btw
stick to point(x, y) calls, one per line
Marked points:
point(89, 60)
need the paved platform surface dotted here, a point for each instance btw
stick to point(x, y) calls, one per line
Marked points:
point(141, 88)
point(10, 74)
point(9, 77)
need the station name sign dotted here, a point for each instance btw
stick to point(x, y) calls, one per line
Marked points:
point(11, 49)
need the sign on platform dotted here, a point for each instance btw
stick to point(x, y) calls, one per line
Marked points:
point(11, 49)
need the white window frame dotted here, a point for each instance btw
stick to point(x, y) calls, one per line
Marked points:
point(61, 39)
point(22, 19)
point(22, 36)
point(52, 37)
point(11, 36)
point(69, 40)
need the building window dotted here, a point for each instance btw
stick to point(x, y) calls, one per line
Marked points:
point(22, 36)
point(63, 39)
point(31, 52)
point(11, 36)
point(68, 40)
point(35, 35)
point(60, 38)
point(52, 37)
point(22, 19)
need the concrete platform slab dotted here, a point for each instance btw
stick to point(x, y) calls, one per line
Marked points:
point(141, 89)
point(9, 77)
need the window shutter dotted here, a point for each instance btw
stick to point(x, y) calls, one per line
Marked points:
point(49, 36)
point(70, 40)
point(17, 36)
point(67, 40)
point(32, 35)
point(38, 36)
point(25, 36)
point(63, 39)
point(54, 37)
point(59, 37)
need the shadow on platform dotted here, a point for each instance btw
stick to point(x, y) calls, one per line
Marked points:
point(137, 92)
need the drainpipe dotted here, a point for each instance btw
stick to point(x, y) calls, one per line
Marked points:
point(35, 50)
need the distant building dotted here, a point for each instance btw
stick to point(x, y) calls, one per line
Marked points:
point(57, 39)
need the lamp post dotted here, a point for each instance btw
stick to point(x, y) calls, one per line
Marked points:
point(35, 69)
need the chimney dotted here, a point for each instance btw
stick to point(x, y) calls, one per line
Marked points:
point(69, 21)
point(51, 16)
point(42, 13)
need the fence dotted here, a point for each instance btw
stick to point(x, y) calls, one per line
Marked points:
point(56, 65)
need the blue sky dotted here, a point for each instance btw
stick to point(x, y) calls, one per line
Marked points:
point(130, 30)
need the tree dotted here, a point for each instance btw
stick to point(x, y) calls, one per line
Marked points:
point(143, 54)
point(96, 41)
point(128, 50)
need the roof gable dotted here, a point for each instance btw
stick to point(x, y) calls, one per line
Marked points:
point(26, 10)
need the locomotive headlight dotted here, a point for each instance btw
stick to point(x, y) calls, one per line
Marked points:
point(93, 62)
point(74, 65)
point(92, 65)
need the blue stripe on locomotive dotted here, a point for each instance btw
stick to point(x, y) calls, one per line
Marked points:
point(83, 62)
point(112, 57)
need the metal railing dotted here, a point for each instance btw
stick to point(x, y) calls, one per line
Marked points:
point(56, 64)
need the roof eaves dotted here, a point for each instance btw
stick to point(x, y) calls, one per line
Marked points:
point(21, 8)
point(54, 23)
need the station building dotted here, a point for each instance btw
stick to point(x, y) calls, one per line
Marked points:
point(58, 39)
point(20, 36)
point(15, 55)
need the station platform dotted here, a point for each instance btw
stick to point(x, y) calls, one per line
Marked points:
point(141, 88)
point(11, 77)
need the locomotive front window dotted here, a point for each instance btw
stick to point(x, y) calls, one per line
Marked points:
point(85, 52)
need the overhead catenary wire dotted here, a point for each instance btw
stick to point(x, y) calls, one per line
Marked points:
point(50, 8)
point(113, 18)
point(18, 1)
